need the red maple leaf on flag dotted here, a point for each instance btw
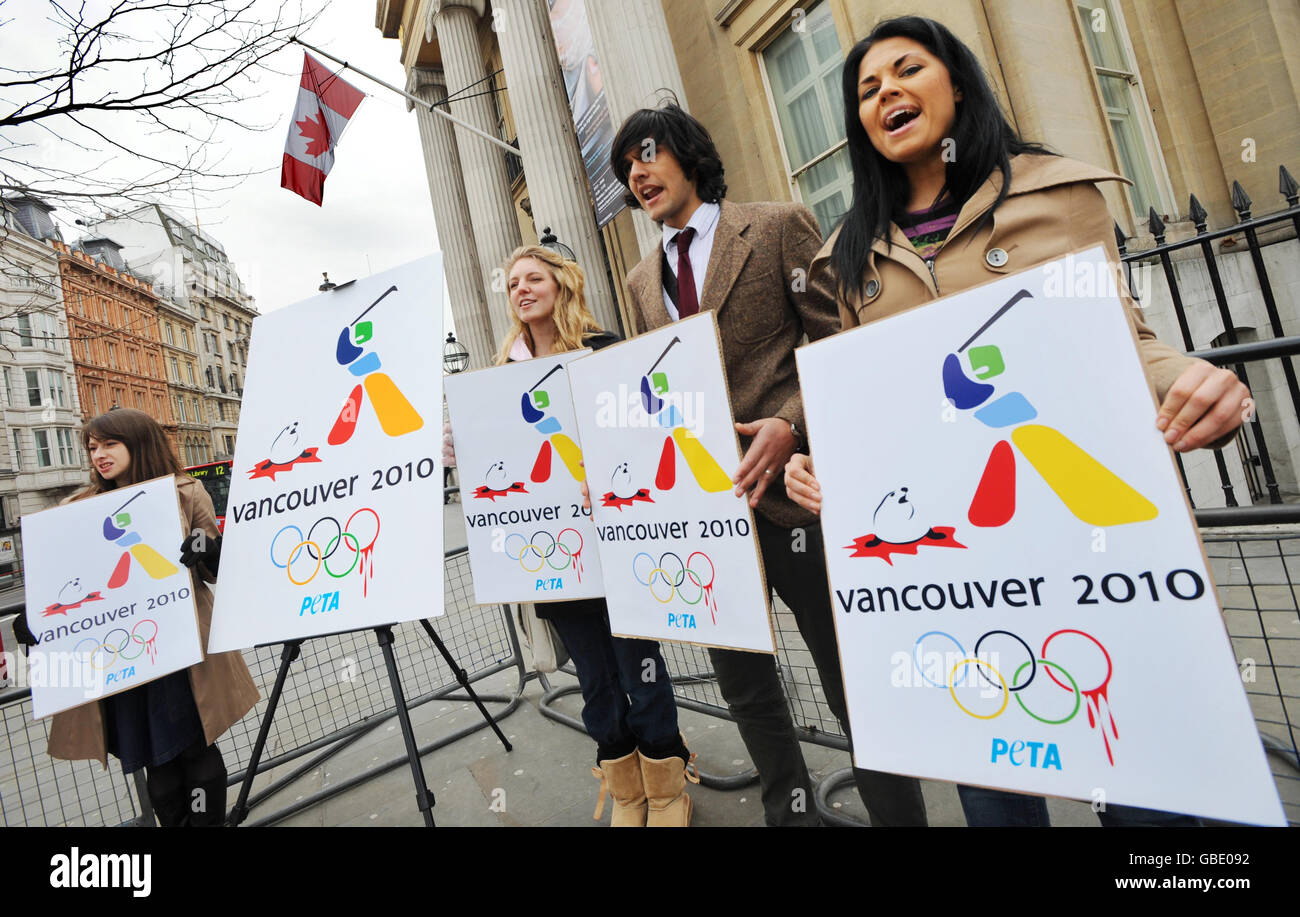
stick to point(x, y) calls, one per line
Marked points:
point(316, 132)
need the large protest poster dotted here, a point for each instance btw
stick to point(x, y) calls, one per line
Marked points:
point(1020, 593)
point(334, 520)
point(589, 104)
point(678, 549)
point(107, 598)
point(521, 472)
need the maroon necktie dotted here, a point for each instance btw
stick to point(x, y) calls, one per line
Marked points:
point(687, 302)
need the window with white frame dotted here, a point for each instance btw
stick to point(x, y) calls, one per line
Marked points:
point(803, 75)
point(56, 387)
point(67, 454)
point(180, 410)
point(18, 450)
point(33, 388)
point(25, 330)
point(1124, 103)
point(44, 457)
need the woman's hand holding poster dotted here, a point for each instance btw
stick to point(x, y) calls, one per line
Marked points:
point(521, 475)
point(107, 598)
point(677, 548)
point(1020, 593)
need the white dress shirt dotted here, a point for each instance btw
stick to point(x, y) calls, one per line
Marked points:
point(704, 221)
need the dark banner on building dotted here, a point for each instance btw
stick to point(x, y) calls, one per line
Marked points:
point(587, 101)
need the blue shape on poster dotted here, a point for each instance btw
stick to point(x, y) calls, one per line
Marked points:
point(1010, 409)
point(961, 391)
point(366, 365)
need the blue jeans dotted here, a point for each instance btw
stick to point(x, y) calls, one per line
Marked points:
point(987, 808)
point(627, 696)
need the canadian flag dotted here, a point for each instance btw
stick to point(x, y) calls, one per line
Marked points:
point(325, 103)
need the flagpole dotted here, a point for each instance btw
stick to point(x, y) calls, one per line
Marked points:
point(431, 106)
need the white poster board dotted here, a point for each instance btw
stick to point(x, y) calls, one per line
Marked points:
point(334, 520)
point(107, 597)
point(678, 549)
point(1020, 593)
point(521, 472)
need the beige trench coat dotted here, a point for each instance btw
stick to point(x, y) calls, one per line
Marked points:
point(223, 688)
point(1052, 207)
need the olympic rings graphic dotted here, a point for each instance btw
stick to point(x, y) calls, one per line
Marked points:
point(674, 575)
point(104, 654)
point(554, 551)
point(310, 545)
point(983, 667)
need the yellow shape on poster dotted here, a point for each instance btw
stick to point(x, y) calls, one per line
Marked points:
point(396, 415)
point(570, 454)
point(154, 563)
point(708, 474)
point(1089, 490)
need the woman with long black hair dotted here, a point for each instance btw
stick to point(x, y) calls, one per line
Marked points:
point(946, 195)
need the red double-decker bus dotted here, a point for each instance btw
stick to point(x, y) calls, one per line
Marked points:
point(216, 480)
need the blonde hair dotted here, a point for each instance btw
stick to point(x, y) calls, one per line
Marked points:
point(571, 316)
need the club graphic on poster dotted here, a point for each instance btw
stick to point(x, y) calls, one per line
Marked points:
point(521, 468)
point(1016, 575)
point(334, 511)
point(109, 609)
point(677, 547)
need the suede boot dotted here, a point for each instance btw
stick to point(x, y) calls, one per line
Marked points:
point(621, 779)
point(665, 790)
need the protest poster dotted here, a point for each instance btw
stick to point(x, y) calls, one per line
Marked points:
point(678, 549)
point(1021, 596)
point(107, 597)
point(529, 538)
point(334, 520)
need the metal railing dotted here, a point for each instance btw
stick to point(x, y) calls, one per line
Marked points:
point(1257, 452)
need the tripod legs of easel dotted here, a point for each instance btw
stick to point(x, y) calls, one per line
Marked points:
point(287, 655)
point(423, 796)
point(462, 678)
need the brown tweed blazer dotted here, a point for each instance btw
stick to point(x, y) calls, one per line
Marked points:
point(757, 283)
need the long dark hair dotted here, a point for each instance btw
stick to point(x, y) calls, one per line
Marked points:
point(982, 136)
point(146, 442)
point(683, 136)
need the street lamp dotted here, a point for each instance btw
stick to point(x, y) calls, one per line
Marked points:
point(549, 240)
point(454, 355)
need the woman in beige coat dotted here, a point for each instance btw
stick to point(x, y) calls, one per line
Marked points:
point(168, 726)
point(946, 196)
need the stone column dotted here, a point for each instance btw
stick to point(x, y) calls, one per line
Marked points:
point(637, 61)
point(483, 167)
point(452, 216)
point(557, 180)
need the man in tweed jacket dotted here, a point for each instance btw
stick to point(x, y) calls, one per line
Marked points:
point(749, 264)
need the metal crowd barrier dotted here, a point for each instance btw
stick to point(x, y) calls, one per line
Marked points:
point(336, 693)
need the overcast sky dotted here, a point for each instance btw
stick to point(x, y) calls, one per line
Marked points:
point(376, 212)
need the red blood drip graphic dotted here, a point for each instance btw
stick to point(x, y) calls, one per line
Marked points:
point(941, 536)
point(347, 422)
point(57, 609)
point(367, 568)
point(994, 502)
point(120, 572)
point(542, 467)
point(666, 477)
point(269, 469)
point(151, 647)
point(1095, 697)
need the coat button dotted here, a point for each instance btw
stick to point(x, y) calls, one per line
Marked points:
point(873, 287)
point(996, 257)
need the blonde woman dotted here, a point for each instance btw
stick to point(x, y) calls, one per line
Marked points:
point(641, 758)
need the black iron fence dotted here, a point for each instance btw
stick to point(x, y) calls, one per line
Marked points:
point(1259, 452)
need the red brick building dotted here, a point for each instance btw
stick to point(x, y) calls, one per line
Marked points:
point(113, 324)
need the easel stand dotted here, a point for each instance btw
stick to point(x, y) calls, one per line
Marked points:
point(384, 636)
